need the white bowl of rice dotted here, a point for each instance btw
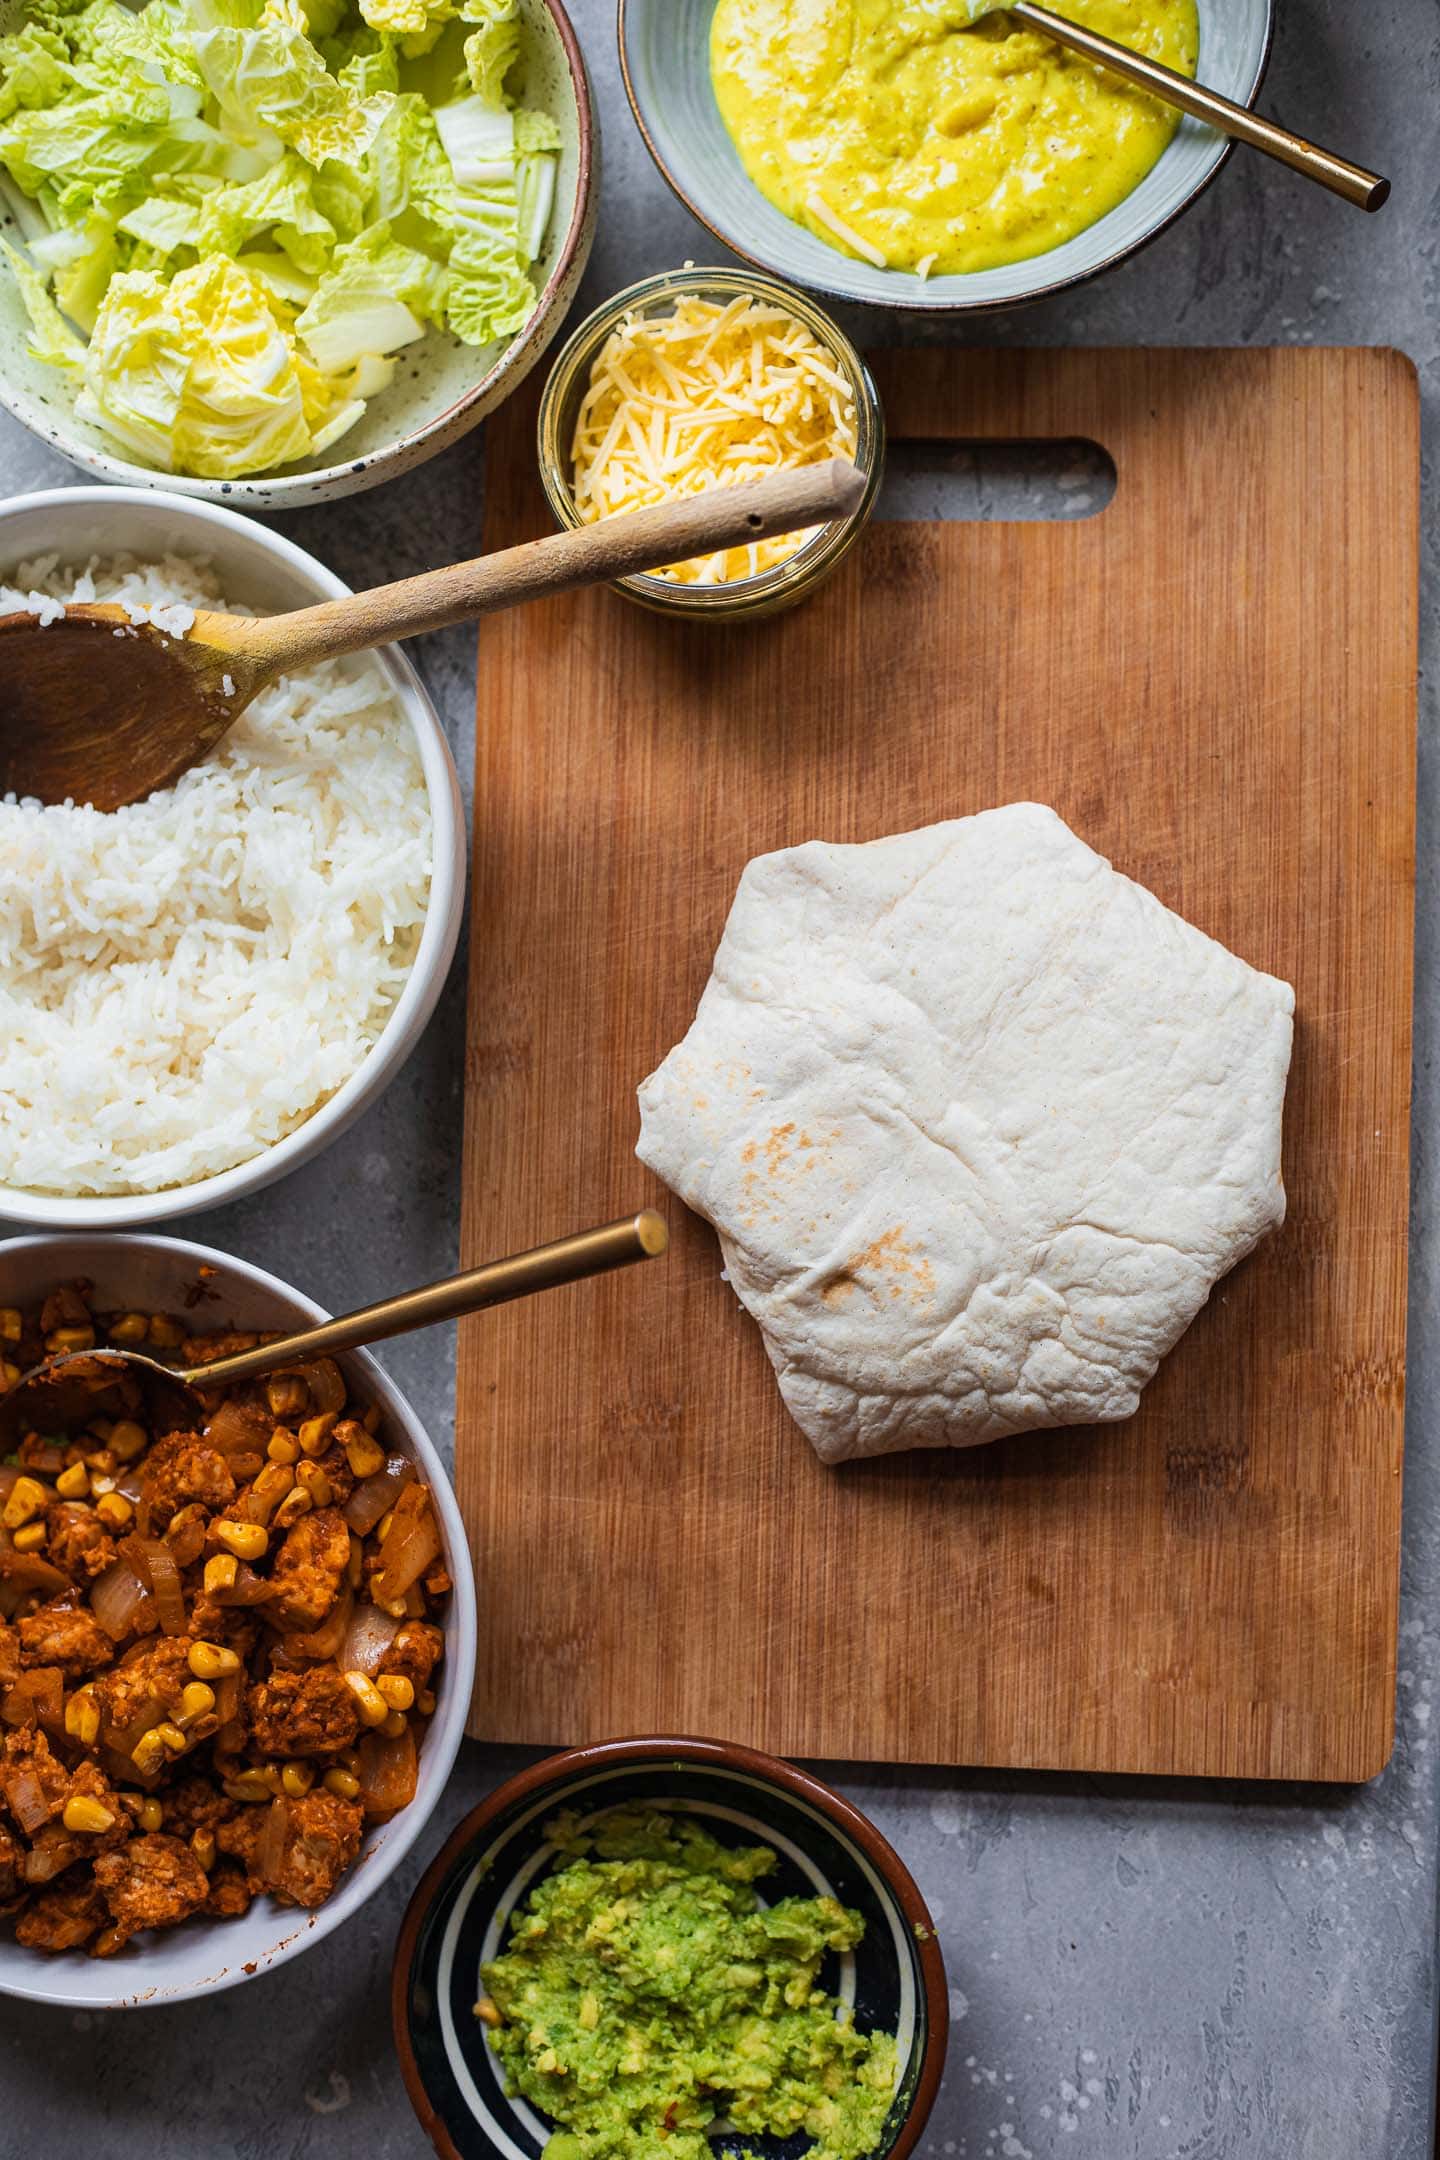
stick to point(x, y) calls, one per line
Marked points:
point(202, 990)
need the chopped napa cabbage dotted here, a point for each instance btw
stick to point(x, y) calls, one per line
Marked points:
point(378, 296)
point(269, 77)
point(493, 49)
point(281, 203)
point(51, 338)
point(251, 205)
point(197, 375)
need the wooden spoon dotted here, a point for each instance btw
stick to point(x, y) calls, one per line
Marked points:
point(1366, 190)
point(97, 709)
point(64, 1393)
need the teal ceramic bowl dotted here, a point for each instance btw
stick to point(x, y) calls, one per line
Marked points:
point(664, 52)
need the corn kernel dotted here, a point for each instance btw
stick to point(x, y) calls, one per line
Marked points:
point(398, 1692)
point(86, 1816)
point(385, 1525)
point(170, 1737)
point(127, 1440)
point(425, 1702)
point(196, 1701)
point(74, 1483)
point(115, 1511)
point(395, 1606)
point(371, 1419)
point(29, 1538)
point(27, 1497)
point(286, 1394)
point(101, 1478)
point(393, 1726)
point(220, 1574)
point(315, 1433)
point(247, 1541)
point(488, 2012)
point(283, 1447)
point(355, 1565)
point(296, 1779)
point(270, 1488)
point(364, 1455)
point(211, 1661)
point(151, 1814)
point(369, 1701)
point(343, 1783)
point(291, 1508)
point(11, 1326)
point(165, 1332)
point(314, 1481)
point(249, 1787)
point(148, 1753)
point(128, 1328)
point(9, 1374)
point(202, 1844)
point(61, 1341)
point(82, 1717)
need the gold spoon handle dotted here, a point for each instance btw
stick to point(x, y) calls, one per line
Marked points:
point(1365, 189)
point(591, 555)
point(589, 1252)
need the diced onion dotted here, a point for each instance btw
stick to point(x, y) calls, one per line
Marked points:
point(323, 1381)
point(324, 1641)
point(116, 1599)
point(49, 1856)
point(27, 1800)
point(414, 1541)
point(388, 1772)
point(248, 1588)
point(367, 1639)
point(154, 1563)
point(375, 1496)
point(270, 1845)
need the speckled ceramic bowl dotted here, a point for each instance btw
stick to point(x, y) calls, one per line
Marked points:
point(441, 387)
point(893, 1982)
point(664, 51)
point(176, 1964)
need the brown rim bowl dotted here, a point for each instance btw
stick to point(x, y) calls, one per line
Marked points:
point(895, 1980)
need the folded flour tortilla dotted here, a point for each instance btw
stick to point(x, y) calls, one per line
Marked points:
point(979, 1122)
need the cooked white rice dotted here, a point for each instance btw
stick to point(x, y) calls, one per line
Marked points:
point(185, 981)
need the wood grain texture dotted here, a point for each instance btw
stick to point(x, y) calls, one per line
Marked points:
point(1214, 683)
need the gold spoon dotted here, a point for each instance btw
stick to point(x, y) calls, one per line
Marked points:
point(96, 709)
point(66, 1392)
point(1365, 189)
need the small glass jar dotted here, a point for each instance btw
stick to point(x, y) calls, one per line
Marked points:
point(785, 582)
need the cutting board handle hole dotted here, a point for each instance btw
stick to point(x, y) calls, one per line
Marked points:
point(1060, 482)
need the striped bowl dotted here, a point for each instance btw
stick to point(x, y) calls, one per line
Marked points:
point(894, 1981)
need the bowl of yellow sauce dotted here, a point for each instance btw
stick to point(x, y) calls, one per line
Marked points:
point(902, 153)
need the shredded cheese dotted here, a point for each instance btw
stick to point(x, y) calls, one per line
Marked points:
point(822, 213)
point(712, 394)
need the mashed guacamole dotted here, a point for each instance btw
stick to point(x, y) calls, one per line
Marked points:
point(646, 1993)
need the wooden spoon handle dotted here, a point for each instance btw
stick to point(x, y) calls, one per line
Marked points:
point(1366, 190)
point(590, 555)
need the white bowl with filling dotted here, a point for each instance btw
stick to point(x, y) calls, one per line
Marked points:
point(200, 1956)
point(89, 1149)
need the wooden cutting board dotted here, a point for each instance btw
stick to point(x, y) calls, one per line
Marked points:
point(1213, 681)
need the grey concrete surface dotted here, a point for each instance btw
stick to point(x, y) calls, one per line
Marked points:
point(1140, 1971)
